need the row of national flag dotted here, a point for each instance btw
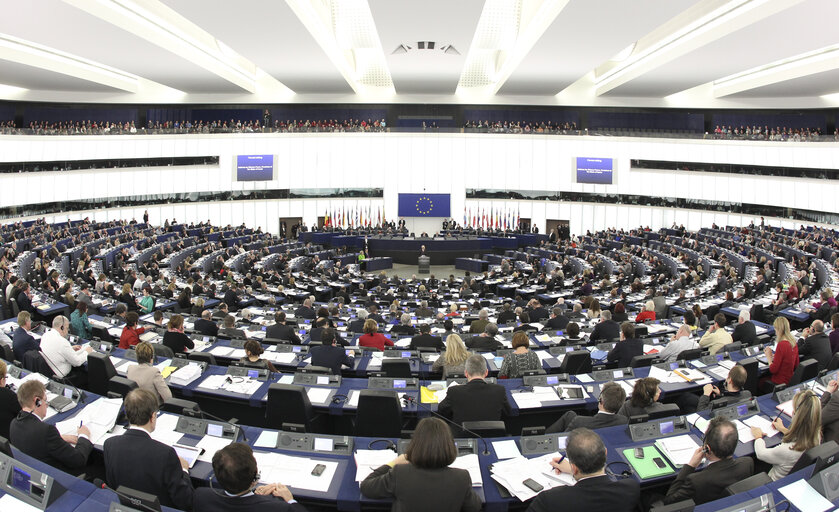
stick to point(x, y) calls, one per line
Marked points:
point(494, 218)
point(354, 217)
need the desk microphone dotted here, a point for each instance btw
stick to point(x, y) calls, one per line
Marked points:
point(135, 502)
point(417, 403)
point(65, 380)
point(232, 421)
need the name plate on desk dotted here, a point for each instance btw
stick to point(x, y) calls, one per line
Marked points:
point(464, 446)
point(558, 351)
point(201, 427)
point(260, 374)
point(302, 442)
point(13, 371)
point(28, 484)
point(283, 348)
point(541, 444)
point(743, 409)
point(203, 338)
point(615, 374)
point(317, 379)
point(103, 346)
point(392, 383)
point(180, 362)
point(655, 429)
point(787, 394)
point(391, 352)
point(713, 359)
point(544, 380)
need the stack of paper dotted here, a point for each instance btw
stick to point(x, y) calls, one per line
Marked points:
point(698, 422)
point(294, 472)
point(470, 463)
point(164, 430)
point(785, 407)
point(211, 444)
point(803, 497)
point(319, 395)
point(762, 423)
point(535, 398)
point(513, 472)
point(280, 357)
point(99, 417)
point(678, 449)
point(186, 374)
point(744, 433)
point(247, 386)
point(368, 460)
point(506, 449)
point(212, 382)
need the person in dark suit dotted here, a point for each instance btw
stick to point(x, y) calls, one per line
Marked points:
point(306, 311)
point(421, 479)
point(9, 406)
point(24, 299)
point(594, 491)
point(229, 329)
point(205, 324)
point(815, 345)
point(830, 412)
point(236, 470)
point(29, 434)
point(710, 483)
point(281, 331)
point(732, 391)
point(139, 462)
point(557, 321)
point(425, 340)
point(486, 341)
point(477, 400)
point(357, 325)
point(175, 337)
point(627, 348)
point(607, 329)
point(221, 312)
point(329, 354)
point(231, 297)
point(745, 331)
point(22, 341)
point(537, 312)
point(612, 397)
point(507, 314)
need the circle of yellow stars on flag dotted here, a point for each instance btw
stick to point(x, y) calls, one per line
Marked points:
point(424, 205)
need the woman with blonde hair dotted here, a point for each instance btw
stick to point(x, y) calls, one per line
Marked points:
point(372, 337)
point(784, 359)
point(453, 359)
point(452, 311)
point(647, 314)
point(804, 432)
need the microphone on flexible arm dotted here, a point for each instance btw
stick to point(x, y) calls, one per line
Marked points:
point(64, 380)
point(135, 502)
point(231, 421)
point(417, 403)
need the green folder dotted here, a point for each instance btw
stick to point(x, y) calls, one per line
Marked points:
point(646, 468)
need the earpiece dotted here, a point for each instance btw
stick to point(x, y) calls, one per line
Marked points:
point(38, 402)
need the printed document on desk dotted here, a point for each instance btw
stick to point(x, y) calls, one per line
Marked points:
point(678, 449)
point(513, 472)
point(294, 472)
point(99, 417)
point(368, 460)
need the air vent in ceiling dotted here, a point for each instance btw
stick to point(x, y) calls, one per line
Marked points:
point(426, 45)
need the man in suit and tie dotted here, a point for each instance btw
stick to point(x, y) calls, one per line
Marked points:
point(205, 324)
point(557, 321)
point(229, 330)
point(627, 348)
point(723, 469)
point(281, 331)
point(745, 331)
point(537, 312)
point(22, 341)
point(329, 354)
point(507, 314)
point(815, 345)
point(594, 491)
point(139, 462)
point(485, 342)
point(424, 311)
point(305, 311)
point(29, 434)
point(357, 325)
point(231, 297)
point(612, 397)
point(477, 400)
point(607, 329)
point(24, 299)
point(425, 340)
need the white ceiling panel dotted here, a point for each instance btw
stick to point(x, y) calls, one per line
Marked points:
point(585, 34)
point(812, 85)
point(29, 77)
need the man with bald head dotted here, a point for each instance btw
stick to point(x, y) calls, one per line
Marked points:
point(815, 345)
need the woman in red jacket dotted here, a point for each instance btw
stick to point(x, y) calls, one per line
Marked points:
point(647, 314)
point(784, 360)
point(131, 333)
point(373, 338)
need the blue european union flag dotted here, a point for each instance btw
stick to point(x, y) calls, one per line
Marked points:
point(424, 205)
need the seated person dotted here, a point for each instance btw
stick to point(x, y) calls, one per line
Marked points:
point(556, 322)
point(732, 391)
point(607, 329)
point(404, 326)
point(452, 360)
point(252, 352)
point(80, 322)
point(716, 337)
point(9, 406)
point(572, 334)
point(520, 360)
point(477, 326)
point(486, 341)
point(22, 341)
point(815, 345)
point(745, 331)
point(357, 325)
point(594, 491)
point(644, 399)
point(784, 359)
point(229, 330)
point(612, 398)
point(30, 434)
point(281, 331)
point(147, 302)
point(175, 337)
point(130, 332)
point(425, 340)
point(237, 473)
point(680, 342)
point(205, 324)
point(648, 313)
point(64, 359)
point(146, 375)
point(139, 462)
point(372, 337)
point(425, 466)
point(627, 348)
point(804, 432)
point(723, 469)
point(329, 354)
point(477, 400)
point(319, 325)
point(619, 313)
point(830, 412)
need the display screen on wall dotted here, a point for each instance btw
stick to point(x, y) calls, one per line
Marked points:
point(594, 170)
point(424, 205)
point(254, 167)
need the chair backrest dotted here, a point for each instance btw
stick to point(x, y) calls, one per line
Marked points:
point(752, 374)
point(690, 354)
point(807, 369)
point(288, 403)
point(485, 428)
point(576, 362)
point(825, 449)
point(745, 485)
point(320, 370)
point(15, 308)
point(100, 369)
point(732, 347)
point(161, 350)
point(202, 356)
point(6, 352)
point(834, 362)
point(379, 414)
point(665, 411)
point(121, 385)
point(181, 406)
point(757, 313)
point(396, 368)
point(643, 360)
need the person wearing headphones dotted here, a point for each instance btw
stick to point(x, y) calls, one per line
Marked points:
point(139, 462)
point(804, 432)
point(29, 434)
point(236, 470)
point(722, 470)
point(65, 360)
point(9, 406)
point(329, 354)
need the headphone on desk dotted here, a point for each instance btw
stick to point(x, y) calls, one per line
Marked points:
point(388, 444)
point(339, 399)
point(626, 473)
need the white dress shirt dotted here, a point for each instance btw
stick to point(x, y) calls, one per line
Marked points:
point(59, 354)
